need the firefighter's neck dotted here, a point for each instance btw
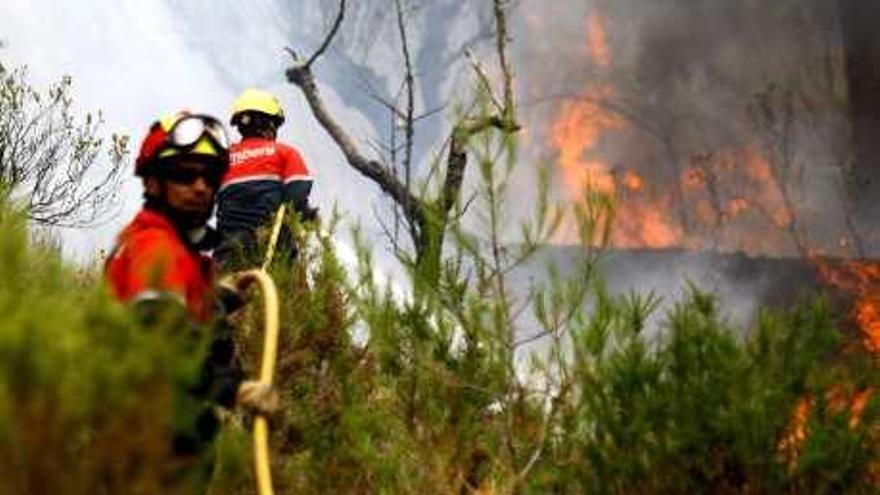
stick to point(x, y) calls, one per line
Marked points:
point(263, 133)
point(196, 235)
point(192, 230)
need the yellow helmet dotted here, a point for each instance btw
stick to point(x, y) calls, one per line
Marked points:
point(257, 100)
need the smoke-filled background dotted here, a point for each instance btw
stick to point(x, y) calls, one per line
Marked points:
point(136, 61)
point(721, 126)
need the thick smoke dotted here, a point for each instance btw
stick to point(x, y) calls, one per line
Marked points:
point(691, 80)
point(704, 87)
point(701, 89)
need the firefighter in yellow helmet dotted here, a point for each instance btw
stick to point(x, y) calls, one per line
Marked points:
point(263, 174)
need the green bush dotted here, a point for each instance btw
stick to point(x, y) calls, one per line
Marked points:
point(87, 399)
point(444, 395)
point(699, 410)
point(431, 400)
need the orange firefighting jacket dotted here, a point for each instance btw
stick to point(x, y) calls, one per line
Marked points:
point(151, 260)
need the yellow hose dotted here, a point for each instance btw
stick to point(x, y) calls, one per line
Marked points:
point(270, 351)
point(267, 369)
point(273, 238)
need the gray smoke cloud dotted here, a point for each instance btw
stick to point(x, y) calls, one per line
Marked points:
point(688, 77)
point(694, 80)
point(691, 82)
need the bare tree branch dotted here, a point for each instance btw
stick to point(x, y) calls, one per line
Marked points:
point(426, 219)
point(501, 41)
point(303, 78)
point(49, 161)
point(330, 35)
point(429, 113)
point(409, 82)
point(483, 78)
point(408, 125)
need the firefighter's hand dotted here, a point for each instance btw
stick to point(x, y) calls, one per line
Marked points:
point(231, 295)
point(307, 212)
point(257, 397)
point(310, 214)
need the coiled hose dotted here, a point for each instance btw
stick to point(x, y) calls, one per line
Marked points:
point(270, 352)
point(267, 371)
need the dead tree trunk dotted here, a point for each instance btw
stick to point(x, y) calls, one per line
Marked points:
point(427, 216)
point(861, 41)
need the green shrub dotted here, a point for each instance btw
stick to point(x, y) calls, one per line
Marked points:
point(700, 410)
point(443, 396)
point(87, 399)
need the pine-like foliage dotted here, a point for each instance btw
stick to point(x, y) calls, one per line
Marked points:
point(451, 388)
point(87, 398)
point(470, 383)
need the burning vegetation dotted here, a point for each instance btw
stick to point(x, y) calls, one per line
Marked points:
point(724, 152)
point(738, 197)
point(860, 279)
point(389, 394)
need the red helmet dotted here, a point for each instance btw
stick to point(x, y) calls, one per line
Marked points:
point(183, 134)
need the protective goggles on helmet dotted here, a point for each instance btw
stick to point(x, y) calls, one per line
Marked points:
point(185, 134)
point(179, 135)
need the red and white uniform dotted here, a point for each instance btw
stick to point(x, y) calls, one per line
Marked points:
point(262, 173)
point(259, 159)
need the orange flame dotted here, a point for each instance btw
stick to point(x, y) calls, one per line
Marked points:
point(868, 317)
point(597, 40)
point(861, 279)
point(728, 199)
point(633, 181)
point(839, 399)
point(736, 206)
point(649, 214)
point(576, 134)
point(758, 167)
point(646, 226)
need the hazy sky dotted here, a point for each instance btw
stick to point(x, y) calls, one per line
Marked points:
point(136, 60)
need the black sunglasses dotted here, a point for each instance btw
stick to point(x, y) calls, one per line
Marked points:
point(188, 176)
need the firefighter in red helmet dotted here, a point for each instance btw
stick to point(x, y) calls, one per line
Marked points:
point(158, 265)
point(158, 255)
